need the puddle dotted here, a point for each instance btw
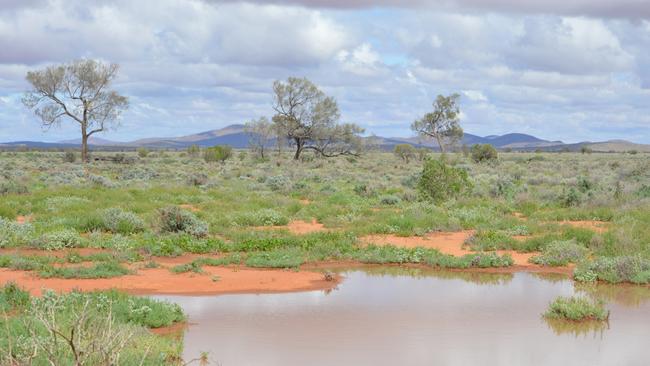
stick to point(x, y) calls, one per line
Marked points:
point(396, 316)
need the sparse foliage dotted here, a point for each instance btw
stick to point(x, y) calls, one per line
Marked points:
point(261, 133)
point(405, 152)
point(443, 124)
point(79, 91)
point(309, 120)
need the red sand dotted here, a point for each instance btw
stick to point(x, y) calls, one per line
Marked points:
point(297, 227)
point(214, 280)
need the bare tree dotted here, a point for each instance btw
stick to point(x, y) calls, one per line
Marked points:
point(79, 91)
point(260, 134)
point(310, 120)
point(443, 123)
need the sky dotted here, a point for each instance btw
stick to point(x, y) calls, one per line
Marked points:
point(570, 70)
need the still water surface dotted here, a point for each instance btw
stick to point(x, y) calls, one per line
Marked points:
point(394, 316)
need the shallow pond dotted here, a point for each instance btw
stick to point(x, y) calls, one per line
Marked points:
point(393, 316)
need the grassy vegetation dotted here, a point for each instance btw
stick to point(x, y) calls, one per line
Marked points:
point(91, 328)
point(576, 309)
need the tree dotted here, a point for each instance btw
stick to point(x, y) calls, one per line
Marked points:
point(79, 91)
point(310, 120)
point(405, 152)
point(443, 123)
point(260, 134)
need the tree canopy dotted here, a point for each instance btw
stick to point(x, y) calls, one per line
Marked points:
point(443, 123)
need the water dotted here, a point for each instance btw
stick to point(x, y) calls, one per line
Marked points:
point(415, 317)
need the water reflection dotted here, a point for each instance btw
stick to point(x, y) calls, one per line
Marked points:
point(577, 329)
point(397, 316)
point(621, 294)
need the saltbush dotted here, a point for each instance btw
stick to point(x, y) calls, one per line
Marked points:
point(576, 309)
point(560, 253)
point(61, 239)
point(175, 220)
point(634, 269)
point(13, 233)
point(483, 153)
point(117, 220)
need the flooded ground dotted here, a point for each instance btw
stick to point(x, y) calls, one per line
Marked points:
point(393, 316)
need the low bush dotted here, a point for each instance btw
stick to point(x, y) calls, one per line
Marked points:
point(560, 253)
point(634, 269)
point(13, 297)
point(389, 200)
point(265, 217)
point(14, 234)
point(175, 220)
point(440, 181)
point(491, 240)
point(576, 309)
point(58, 240)
point(483, 153)
point(119, 221)
point(218, 153)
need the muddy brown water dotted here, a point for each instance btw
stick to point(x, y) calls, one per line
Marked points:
point(392, 316)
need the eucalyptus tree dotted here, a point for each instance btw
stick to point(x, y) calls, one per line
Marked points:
point(78, 91)
point(261, 133)
point(443, 123)
point(309, 119)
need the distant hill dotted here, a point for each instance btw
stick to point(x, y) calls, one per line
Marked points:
point(235, 136)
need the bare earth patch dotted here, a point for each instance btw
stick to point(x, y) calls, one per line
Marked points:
point(214, 280)
point(189, 207)
point(305, 201)
point(24, 219)
point(446, 242)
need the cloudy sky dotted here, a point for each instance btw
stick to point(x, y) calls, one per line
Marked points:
point(573, 70)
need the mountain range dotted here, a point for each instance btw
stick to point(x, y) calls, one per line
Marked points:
point(235, 136)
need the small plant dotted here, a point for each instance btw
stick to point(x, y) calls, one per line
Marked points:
point(60, 240)
point(13, 233)
point(278, 183)
point(560, 253)
point(406, 152)
point(576, 309)
point(484, 153)
point(143, 152)
point(117, 220)
point(193, 151)
point(69, 157)
point(197, 179)
point(440, 182)
point(634, 269)
point(175, 220)
point(390, 200)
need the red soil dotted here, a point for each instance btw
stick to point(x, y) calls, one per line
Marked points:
point(214, 280)
point(24, 219)
point(446, 242)
point(189, 207)
point(304, 201)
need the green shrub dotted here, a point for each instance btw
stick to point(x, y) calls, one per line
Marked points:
point(117, 220)
point(13, 297)
point(390, 200)
point(69, 157)
point(405, 152)
point(440, 182)
point(219, 153)
point(278, 183)
point(576, 309)
point(61, 239)
point(483, 153)
point(490, 240)
point(175, 220)
point(265, 217)
point(560, 253)
point(12, 187)
point(14, 234)
point(614, 269)
point(143, 152)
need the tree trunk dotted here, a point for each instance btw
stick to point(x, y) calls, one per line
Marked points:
point(440, 144)
point(84, 144)
point(299, 144)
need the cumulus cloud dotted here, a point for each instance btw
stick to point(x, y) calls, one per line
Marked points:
point(635, 9)
point(194, 65)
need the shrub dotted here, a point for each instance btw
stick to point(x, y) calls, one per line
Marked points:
point(116, 220)
point(175, 220)
point(571, 198)
point(219, 153)
point(193, 150)
point(12, 187)
point(265, 217)
point(13, 233)
point(197, 179)
point(69, 157)
point(405, 152)
point(13, 297)
point(483, 153)
point(633, 269)
point(61, 239)
point(390, 200)
point(490, 240)
point(440, 182)
point(143, 152)
point(576, 309)
point(278, 183)
point(99, 270)
point(560, 253)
